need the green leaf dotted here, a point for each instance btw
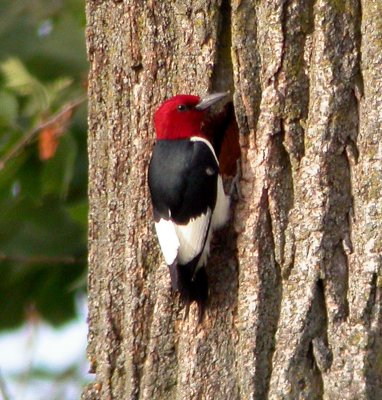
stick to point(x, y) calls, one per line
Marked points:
point(42, 204)
point(58, 171)
point(9, 175)
point(79, 212)
point(18, 78)
point(28, 176)
point(55, 88)
point(35, 241)
point(45, 287)
point(20, 81)
point(8, 108)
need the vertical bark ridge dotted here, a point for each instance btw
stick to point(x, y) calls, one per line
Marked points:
point(367, 188)
point(269, 299)
point(222, 77)
point(258, 99)
point(295, 304)
point(327, 194)
point(246, 79)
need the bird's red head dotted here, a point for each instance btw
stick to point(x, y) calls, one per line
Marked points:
point(181, 116)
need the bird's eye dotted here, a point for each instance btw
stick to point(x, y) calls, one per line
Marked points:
point(182, 107)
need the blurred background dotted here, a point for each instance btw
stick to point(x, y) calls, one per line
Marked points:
point(43, 199)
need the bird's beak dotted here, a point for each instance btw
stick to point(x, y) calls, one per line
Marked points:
point(210, 100)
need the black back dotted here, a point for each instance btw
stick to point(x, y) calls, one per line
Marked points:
point(183, 179)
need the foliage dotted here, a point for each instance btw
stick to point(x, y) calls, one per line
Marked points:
point(43, 164)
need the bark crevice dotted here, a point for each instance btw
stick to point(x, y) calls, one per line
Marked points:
point(295, 303)
point(269, 299)
point(222, 76)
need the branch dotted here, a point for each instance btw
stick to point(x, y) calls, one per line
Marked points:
point(68, 260)
point(14, 151)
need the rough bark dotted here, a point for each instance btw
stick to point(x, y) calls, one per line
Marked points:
point(296, 305)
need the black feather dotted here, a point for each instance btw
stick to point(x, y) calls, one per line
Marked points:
point(191, 285)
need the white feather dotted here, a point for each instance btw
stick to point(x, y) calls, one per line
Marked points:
point(221, 211)
point(192, 237)
point(200, 139)
point(168, 239)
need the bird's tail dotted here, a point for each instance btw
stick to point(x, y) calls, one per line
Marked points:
point(192, 284)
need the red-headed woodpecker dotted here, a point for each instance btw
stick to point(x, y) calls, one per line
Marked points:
point(187, 193)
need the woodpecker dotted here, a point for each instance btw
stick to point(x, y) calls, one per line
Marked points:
point(187, 193)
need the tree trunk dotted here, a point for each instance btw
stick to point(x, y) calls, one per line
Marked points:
point(295, 306)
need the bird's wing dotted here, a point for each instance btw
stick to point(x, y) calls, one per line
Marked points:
point(183, 177)
point(168, 239)
point(192, 237)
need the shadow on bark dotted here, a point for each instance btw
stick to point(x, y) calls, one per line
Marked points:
point(269, 299)
point(373, 367)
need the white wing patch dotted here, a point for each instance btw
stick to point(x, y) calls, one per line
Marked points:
point(192, 237)
point(184, 241)
point(168, 240)
point(221, 211)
